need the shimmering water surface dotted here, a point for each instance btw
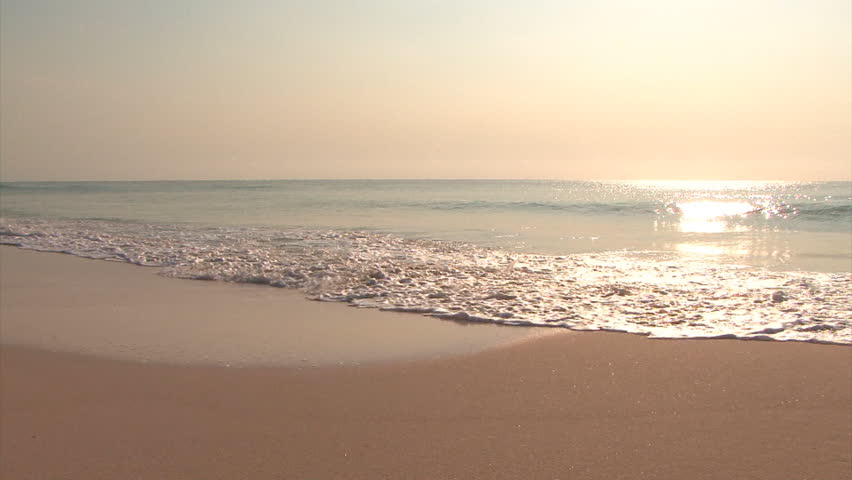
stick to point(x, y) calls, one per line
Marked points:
point(767, 260)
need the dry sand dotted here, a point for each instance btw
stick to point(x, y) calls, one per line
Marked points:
point(568, 406)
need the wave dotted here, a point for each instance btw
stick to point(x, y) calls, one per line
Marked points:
point(571, 198)
point(777, 213)
point(649, 293)
point(589, 208)
point(822, 211)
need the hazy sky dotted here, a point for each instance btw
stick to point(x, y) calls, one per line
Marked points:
point(251, 89)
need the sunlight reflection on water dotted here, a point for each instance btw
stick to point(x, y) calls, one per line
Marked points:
point(762, 223)
point(709, 216)
point(714, 220)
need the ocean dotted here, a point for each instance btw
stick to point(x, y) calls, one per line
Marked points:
point(749, 259)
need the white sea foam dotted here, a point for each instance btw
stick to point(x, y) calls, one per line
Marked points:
point(657, 294)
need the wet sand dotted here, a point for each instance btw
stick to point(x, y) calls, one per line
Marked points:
point(569, 406)
point(124, 311)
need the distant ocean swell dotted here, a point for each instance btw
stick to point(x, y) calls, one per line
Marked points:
point(649, 293)
point(808, 211)
point(782, 206)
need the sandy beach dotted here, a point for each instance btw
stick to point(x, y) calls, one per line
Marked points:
point(88, 391)
point(425, 240)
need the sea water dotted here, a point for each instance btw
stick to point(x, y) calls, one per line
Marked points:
point(753, 260)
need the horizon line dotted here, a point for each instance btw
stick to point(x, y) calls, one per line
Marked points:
point(460, 179)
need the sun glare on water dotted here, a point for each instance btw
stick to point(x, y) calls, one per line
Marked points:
point(708, 185)
point(709, 216)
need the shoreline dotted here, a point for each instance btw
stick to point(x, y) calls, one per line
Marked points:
point(579, 405)
point(118, 310)
point(800, 310)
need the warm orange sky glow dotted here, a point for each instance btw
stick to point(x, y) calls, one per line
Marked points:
point(437, 89)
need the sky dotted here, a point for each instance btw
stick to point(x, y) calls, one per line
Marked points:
point(609, 89)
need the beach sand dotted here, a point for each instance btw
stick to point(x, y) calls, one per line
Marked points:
point(569, 405)
point(123, 311)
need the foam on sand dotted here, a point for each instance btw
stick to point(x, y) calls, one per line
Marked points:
point(650, 293)
point(113, 310)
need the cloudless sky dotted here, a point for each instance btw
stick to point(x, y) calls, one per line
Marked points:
point(252, 89)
